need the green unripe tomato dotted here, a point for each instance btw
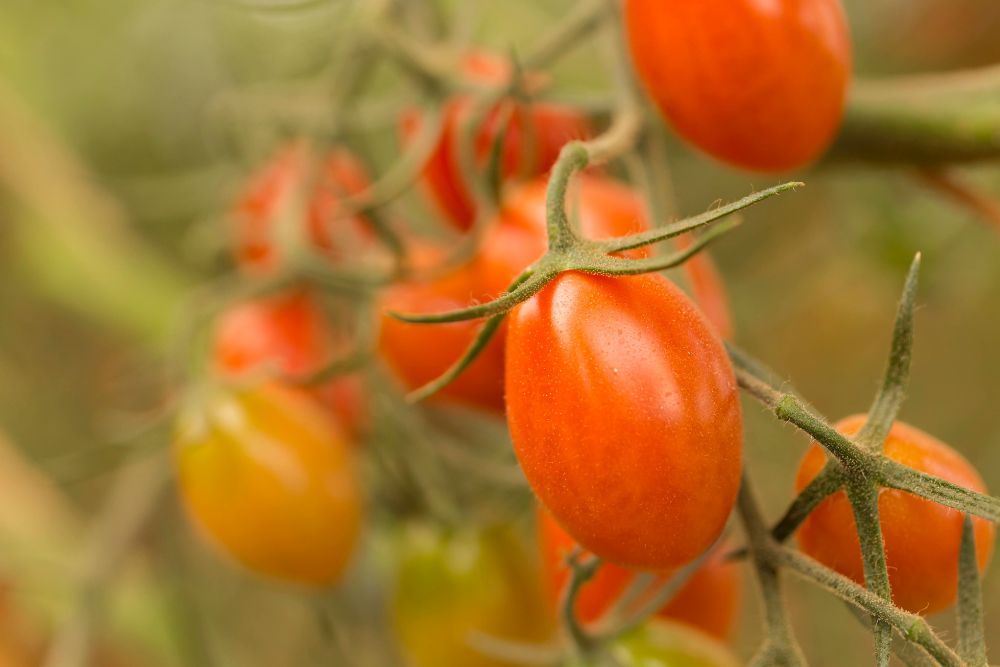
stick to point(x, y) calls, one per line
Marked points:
point(661, 643)
point(453, 585)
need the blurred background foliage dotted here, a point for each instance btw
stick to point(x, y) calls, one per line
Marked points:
point(144, 116)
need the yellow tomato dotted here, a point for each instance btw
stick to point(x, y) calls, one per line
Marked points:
point(454, 586)
point(267, 478)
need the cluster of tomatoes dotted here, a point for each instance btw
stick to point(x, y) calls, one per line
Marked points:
point(620, 399)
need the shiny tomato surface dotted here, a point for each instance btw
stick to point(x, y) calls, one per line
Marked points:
point(267, 479)
point(625, 417)
point(759, 84)
point(922, 538)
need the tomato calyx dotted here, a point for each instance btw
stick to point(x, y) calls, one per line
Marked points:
point(568, 252)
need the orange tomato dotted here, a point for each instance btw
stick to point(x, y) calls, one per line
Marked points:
point(418, 353)
point(283, 190)
point(625, 416)
point(289, 333)
point(922, 538)
point(707, 288)
point(266, 478)
point(758, 84)
point(534, 135)
point(709, 600)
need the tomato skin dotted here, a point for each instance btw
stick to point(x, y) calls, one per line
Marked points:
point(450, 585)
point(419, 353)
point(707, 288)
point(708, 601)
point(271, 194)
point(267, 479)
point(922, 538)
point(535, 134)
point(660, 642)
point(625, 417)
point(759, 85)
point(289, 334)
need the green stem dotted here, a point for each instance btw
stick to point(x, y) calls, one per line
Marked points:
point(971, 634)
point(780, 646)
point(857, 460)
point(863, 495)
point(580, 574)
point(926, 119)
point(573, 157)
point(569, 32)
point(911, 627)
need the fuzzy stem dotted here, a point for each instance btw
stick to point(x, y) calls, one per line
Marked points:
point(780, 646)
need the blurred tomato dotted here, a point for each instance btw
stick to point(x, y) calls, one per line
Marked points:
point(534, 134)
point(451, 586)
point(663, 644)
point(709, 600)
point(705, 284)
point(266, 478)
point(297, 189)
point(760, 85)
point(418, 353)
point(289, 335)
point(19, 646)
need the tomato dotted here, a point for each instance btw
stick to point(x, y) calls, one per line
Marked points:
point(18, 643)
point(452, 585)
point(273, 196)
point(625, 416)
point(760, 85)
point(709, 600)
point(664, 644)
point(267, 479)
point(921, 537)
point(534, 135)
point(419, 353)
point(289, 333)
point(707, 288)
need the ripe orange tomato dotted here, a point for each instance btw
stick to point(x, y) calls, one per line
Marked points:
point(759, 85)
point(453, 584)
point(272, 197)
point(289, 333)
point(419, 353)
point(921, 537)
point(535, 134)
point(709, 600)
point(659, 642)
point(267, 479)
point(707, 289)
point(625, 417)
